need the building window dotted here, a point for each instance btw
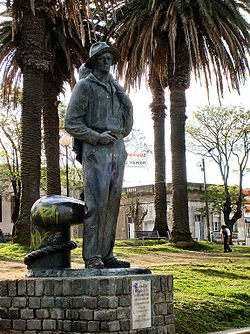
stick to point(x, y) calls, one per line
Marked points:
point(216, 222)
point(1, 210)
point(12, 203)
point(235, 227)
point(197, 218)
point(129, 220)
point(216, 226)
point(130, 227)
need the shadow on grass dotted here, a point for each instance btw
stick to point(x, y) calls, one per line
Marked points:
point(200, 318)
point(201, 246)
point(242, 296)
point(219, 273)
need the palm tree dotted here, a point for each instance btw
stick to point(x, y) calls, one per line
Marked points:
point(61, 71)
point(142, 54)
point(174, 37)
point(30, 22)
point(158, 115)
point(67, 53)
point(31, 60)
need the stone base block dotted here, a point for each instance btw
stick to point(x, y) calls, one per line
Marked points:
point(38, 272)
point(102, 304)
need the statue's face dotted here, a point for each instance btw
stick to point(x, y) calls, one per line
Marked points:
point(103, 63)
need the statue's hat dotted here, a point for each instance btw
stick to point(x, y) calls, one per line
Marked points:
point(99, 48)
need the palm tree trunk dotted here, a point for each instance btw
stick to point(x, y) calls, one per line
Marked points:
point(158, 115)
point(51, 136)
point(32, 63)
point(180, 231)
point(30, 152)
point(179, 80)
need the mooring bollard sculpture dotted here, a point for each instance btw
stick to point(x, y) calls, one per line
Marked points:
point(51, 219)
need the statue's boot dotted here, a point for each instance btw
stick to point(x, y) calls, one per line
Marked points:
point(115, 263)
point(94, 263)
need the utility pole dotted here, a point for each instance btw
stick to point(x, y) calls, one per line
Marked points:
point(66, 141)
point(206, 199)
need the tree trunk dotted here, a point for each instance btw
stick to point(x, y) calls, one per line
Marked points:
point(158, 115)
point(31, 61)
point(51, 136)
point(180, 231)
point(178, 81)
point(227, 209)
point(16, 185)
point(237, 215)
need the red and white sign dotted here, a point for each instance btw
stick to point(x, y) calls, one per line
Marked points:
point(136, 159)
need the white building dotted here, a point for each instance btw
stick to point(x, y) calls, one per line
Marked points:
point(196, 209)
point(6, 209)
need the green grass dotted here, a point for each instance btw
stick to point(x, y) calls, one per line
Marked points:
point(208, 295)
point(12, 252)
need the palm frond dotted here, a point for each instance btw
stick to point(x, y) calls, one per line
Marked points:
point(214, 34)
point(67, 30)
point(11, 74)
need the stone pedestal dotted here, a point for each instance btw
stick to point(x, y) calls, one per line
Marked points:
point(98, 304)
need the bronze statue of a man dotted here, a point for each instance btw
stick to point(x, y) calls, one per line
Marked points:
point(99, 116)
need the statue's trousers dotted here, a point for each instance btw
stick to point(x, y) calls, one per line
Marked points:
point(103, 167)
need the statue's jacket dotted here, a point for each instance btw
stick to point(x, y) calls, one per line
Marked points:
point(93, 109)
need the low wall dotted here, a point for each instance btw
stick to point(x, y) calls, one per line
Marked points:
point(87, 305)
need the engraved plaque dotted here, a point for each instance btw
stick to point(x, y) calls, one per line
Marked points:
point(141, 304)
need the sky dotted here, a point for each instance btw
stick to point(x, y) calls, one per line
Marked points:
point(196, 97)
